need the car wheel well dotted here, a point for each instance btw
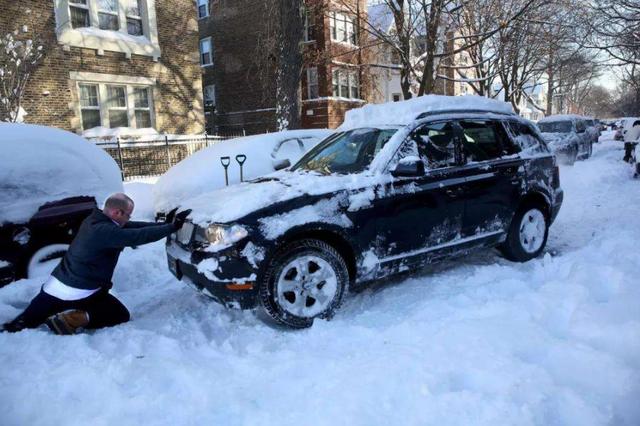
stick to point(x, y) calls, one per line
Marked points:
point(334, 240)
point(538, 199)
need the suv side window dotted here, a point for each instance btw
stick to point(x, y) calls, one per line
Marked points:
point(525, 138)
point(481, 140)
point(436, 144)
point(580, 127)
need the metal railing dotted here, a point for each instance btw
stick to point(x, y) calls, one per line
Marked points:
point(154, 156)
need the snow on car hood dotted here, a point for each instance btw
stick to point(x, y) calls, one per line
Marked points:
point(41, 164)
point(202, 171)
point(234, 202)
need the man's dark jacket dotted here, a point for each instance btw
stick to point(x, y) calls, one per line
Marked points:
point(94, 252)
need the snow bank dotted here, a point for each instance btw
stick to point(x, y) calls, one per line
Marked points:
point(41, 164)
point(202, 172)
point(404, 112)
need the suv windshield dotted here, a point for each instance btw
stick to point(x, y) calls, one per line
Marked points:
point(555, 127)
point(349, 152)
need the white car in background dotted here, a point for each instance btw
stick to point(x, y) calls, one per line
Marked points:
point(259, 154)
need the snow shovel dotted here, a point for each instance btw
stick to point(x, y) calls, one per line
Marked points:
point(241, 158)
point(225, 161)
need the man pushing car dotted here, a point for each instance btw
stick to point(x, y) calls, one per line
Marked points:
point(76, 295)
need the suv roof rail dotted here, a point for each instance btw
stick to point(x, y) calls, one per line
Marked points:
point(464, 111)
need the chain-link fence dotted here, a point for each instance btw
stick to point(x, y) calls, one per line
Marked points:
point(153, 157)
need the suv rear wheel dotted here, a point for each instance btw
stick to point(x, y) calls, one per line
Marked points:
point(305, 280)
point(527, 234)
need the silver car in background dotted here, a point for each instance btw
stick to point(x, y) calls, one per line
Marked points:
point(567, 136)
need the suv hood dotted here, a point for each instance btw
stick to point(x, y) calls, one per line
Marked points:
point(234, 202)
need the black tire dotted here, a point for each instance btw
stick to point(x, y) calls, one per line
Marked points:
point(513, 248)
point(268, 281)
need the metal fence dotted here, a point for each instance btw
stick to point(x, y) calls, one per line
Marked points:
point(153, 157)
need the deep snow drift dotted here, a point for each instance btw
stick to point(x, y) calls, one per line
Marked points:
point(475, 341)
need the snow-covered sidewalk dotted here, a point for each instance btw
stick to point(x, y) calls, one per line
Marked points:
point(475, 341)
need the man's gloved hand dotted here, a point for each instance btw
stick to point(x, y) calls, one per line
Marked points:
point(170, 216)
point(179, 219)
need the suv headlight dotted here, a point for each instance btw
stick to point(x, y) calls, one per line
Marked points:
point(225, 235)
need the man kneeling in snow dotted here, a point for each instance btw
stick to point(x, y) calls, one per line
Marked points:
point(77, 293)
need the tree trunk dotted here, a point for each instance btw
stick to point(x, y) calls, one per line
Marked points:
point(289, 63)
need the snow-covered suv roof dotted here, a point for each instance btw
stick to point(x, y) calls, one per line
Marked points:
point(561, 117)
point(405, 112)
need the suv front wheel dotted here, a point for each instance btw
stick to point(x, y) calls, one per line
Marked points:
point(304, 280)
point(527, 234)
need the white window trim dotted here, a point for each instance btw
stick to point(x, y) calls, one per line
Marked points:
point(114, 41)
point(102, 81)
point(210, 52)
point(349, 73)
point(206, 3)
point(306, 28)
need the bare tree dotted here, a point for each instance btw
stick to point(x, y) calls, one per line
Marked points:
point(20, 53)
point(615, 29)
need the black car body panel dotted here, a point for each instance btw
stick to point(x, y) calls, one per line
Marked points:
point(407, 221)
point(54, 223)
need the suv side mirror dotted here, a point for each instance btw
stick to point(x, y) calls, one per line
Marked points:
point(409, 167)
point(281, 164)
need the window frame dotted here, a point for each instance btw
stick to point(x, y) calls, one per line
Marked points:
point(498, 130)
point(212, 103)
point(102, 81)
point(350, 76)
point(204, 3)
point(309, 27)
point(210, 43)
point(102, 40)
point(314, 71)
point(345, 25)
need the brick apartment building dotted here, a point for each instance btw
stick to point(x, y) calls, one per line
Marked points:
point(238, 81)
point(112, 63)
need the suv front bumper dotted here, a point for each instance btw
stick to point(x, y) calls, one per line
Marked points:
point(232, 283)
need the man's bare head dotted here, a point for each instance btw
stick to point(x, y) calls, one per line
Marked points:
point(119, 208)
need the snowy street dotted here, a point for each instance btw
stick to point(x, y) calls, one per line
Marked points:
point(481, 340)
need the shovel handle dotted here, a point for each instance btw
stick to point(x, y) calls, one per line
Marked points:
point(225, 161)
point(241, 158)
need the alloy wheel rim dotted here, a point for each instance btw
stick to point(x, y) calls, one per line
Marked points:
point(532, 230)
point(306, 286)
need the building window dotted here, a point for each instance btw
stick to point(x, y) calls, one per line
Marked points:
point(142, 107)
point(115, 105)
point(134, 18)
point(89, 106)
point(79, 11)
point(90, 24)
point(345, 83)
point(396, 97)
point(210, 95)
point(206, 54)
point(309, 26)
point(312, 83)
point(203, 8)
point(108, 15)
point(343, 28)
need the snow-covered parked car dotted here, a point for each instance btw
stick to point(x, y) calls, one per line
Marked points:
point(50, 180)
point(593, 129)
point(398, 186)
point(567, 137)
point(204, 172)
